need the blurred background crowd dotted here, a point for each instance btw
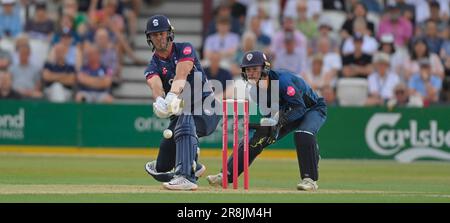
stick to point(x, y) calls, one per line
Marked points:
point(352, 52)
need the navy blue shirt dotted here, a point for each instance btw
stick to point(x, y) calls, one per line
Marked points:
point(294, 93)
point(64, 69)
point(222, 76)
point(165, 68)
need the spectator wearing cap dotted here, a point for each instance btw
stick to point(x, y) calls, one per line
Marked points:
point(315, 76)
point(332, 61)
point(262, 40)
point(397, 57)
point(6, 90)
point(432, 38)
point(223, 41)
point(426, 83)
point(419, 50)
point(404, 98)
point(382, 81)
point(300, 41)
point(10, 20)
point(290, 57)
point(359, 12)
point(26, 76)
point(369, 43)
point(399, 26)
point(357, 64)
point(59, 78)
point(40, 27)
point(94, 80)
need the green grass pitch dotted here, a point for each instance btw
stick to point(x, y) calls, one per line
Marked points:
point(73, 178)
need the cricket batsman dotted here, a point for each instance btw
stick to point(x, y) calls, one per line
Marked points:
point(173, 65)
point(301, 111)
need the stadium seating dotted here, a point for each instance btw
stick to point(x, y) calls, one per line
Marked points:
point(352, 91)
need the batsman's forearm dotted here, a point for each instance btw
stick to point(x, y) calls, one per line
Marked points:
point(182, 71)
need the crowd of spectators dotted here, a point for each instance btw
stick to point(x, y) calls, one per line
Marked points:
point(65, 50)
point(400, 47)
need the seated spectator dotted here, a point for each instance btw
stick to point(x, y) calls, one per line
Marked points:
point(278, 41)
point(329, 94)
point(305, 24)
point(59, 77)
point(406, 10)
point(5, 59)
point(395, 24)
point(316, 77)
point(369, 45)
point(248, 43)
point(223, 41)
point(357, 64)
point(445, 56)
point(10, 20)
point(224, 11)
point(359, 12)
point(404, 98)
point(94, 80)
point(66, 27)
point(382, 81)
point(109, 57)
point(325, 31)
point(435, 17)
point(262, 41)
point(26, 77)
point(419, 50)
point(432, 38)
point(332, 62)
point(215, 72)
point(397, 57)
point(80, 19)
point(6, 91)
point(290, 57)
point(40, 27)
point(268, 12)
point(339, 5)
point(426, 83)
point(74, 56)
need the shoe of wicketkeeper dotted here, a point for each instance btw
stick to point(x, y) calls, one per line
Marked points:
point(215, 180)
point(308, 184)
point(180, 183)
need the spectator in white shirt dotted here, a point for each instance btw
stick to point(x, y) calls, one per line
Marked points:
point(332, 61)
point(382, 81)
point(369, 45)
point(290, 57)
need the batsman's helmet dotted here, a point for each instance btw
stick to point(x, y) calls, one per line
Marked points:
point(159, 23)
point(252, 59)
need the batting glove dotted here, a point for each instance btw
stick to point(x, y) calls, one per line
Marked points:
point(160, 108)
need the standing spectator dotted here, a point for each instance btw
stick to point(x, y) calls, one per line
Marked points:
point(300, 40)
point(223, 41)
point(40, 27)
point(109, 57)
point(94, 80)
point(59, 77)
point(10, 20)
point(394, 23)
point(369, 45)
point(290, 57)
point(332, 62)
point(404, 98)
point(425, 83)
point(360, 11)
point(382, 81)
point(215, 72)
point(357, 64)
point(418, 51)
point(26, 77)
point(432, 38)
point(262, 40)
point(6, 91)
